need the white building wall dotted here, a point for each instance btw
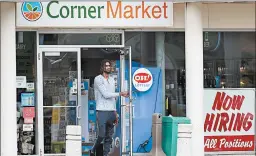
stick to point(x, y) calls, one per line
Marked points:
point(220, 16)
point(8, 80)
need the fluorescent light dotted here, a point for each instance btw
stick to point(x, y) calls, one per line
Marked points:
point(52, 53)
point(20, 37)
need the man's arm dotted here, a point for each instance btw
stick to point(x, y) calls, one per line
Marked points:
point(103, 90)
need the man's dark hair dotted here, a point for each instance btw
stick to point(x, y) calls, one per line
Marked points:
point(102, 65)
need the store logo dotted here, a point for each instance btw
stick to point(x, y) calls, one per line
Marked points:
point(142, 79)
point(32, 11)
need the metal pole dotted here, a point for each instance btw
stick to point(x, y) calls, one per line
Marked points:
point(130, 101)
point(122, 81)
point(79, 81)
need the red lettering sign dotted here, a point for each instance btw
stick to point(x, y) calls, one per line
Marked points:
point(225, 122)
point(229, 143)
point(142, 78)
point(229, 123)
point(226, 102)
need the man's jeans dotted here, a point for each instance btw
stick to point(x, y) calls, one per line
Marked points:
point(105, 121)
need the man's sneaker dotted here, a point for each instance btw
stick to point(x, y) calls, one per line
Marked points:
point(91, 153)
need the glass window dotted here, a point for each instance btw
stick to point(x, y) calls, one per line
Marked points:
point(60, 100)
point(175, 73)
point(229, 60)
point(81, 39)
point(26, 82)
point(146, 53)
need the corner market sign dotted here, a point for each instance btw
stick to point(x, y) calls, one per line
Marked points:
point(112, 14)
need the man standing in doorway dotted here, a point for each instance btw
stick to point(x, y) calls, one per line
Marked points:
point(105, 96)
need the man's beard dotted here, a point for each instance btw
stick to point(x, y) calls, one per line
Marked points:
point(107, 72)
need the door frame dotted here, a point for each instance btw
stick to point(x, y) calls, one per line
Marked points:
point(81, 31)
point(69, 48)
point(40, 120)
point(126, 51)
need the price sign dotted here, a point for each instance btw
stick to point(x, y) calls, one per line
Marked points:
point(21, 82)
point(27, 127)
point(30, 86)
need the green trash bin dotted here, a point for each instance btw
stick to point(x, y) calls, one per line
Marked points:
point(170, 133)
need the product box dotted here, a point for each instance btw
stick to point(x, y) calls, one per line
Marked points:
point(27, 99)
point(92, 120)
point(85, 149)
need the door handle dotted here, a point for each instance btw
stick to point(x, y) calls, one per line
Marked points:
point(78, 112)
point(133, 113)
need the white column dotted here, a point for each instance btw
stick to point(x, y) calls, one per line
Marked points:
point(8, 80)
point(194, 74)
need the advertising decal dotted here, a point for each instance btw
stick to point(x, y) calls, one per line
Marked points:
point(28, 114)
point(27, 99)
point(142, 79)
point(229, 120)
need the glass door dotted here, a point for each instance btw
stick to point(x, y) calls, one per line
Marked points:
point(59, 74)
point(122, 141)
point(126, 103)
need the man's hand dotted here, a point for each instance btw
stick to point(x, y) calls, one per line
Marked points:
point(116, 121)
point(124, 94)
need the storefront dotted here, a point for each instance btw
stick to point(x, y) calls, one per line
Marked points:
point(159, 55)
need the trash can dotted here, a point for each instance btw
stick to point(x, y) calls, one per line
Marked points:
point(157, 135)
point(170, 133)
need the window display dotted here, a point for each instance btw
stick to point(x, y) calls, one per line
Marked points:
point(229, 69)
point(229, 60)
point(25, 84)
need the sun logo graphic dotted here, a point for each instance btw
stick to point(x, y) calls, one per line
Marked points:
point(32, 11)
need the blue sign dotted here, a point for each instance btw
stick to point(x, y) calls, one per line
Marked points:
point(92, 115)
point(145, 105)
point(27, 99)
point(92, 119)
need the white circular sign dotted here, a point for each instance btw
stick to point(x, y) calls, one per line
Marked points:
point(142, 79)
